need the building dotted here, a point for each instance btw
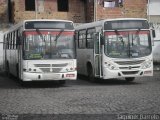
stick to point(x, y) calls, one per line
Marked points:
point(3, 11)
point(3, 14)
point(48, 9)
point(79, 11)
point(3, 25)
point(119, 8)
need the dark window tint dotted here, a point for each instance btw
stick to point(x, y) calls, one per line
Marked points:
point(30, 5)
point(62, 5)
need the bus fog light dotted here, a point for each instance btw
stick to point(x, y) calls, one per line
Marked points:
point(24, 69)
point(70, 69)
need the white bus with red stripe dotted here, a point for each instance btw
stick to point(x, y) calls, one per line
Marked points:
point(37, 50)
point(115, 48)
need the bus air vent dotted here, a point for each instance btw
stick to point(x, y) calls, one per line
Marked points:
point(60, 65)
point(42, 65)
point(130, 72)
point(129, 62)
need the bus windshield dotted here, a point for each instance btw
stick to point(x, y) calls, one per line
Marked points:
point(127, 44)
point(48, 45)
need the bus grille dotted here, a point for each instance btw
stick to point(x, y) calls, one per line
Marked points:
point(51, 70)
point(129, 62)
point(42, 65)
point(129, 72)
point(132, 67)
point(60, 65)
point(51, 65)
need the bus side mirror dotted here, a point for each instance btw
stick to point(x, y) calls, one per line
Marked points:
point(153, 33)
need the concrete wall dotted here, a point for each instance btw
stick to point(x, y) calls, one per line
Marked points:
point(3, 11)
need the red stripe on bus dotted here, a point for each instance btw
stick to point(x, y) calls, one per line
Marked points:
point(126, 32)
point(46, 33)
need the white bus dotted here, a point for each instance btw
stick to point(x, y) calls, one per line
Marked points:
point(115, 48)
point(37, 50)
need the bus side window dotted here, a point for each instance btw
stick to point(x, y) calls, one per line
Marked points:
point(17, 39)
point(76, 38)
point(4, 41)
point(102, 39)
point(11, 46)
point(96, 43)
point(13, 40)
point(7, 42)
point(82, 39)
point(90, 36)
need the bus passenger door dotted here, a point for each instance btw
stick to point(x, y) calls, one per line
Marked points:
point(97, 55)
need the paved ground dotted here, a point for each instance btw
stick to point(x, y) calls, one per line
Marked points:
point(80, 100)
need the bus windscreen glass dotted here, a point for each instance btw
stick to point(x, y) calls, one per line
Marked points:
point(55, 45)
point(48, 25)
point(126, 24)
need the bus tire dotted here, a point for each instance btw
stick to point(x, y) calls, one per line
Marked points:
point(130, 79)
point(90, 73)
point(62, 82)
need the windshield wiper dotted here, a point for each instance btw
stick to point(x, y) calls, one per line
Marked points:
point(56, 39)
point(57, 36)
point(40, 34)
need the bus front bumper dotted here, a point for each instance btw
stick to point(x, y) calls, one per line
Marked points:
point(108, 74)
point(27, 76)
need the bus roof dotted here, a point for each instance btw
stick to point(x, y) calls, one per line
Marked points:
point(47, 20)
point(16, 26)
point(101, 22)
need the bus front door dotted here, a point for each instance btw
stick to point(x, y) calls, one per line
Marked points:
point(97, 55)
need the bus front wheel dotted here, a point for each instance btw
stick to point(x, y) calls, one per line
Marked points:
point(129, 79)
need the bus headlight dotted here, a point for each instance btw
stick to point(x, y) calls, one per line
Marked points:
point(110, 66)
point(146, 64)
point(70, 69)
